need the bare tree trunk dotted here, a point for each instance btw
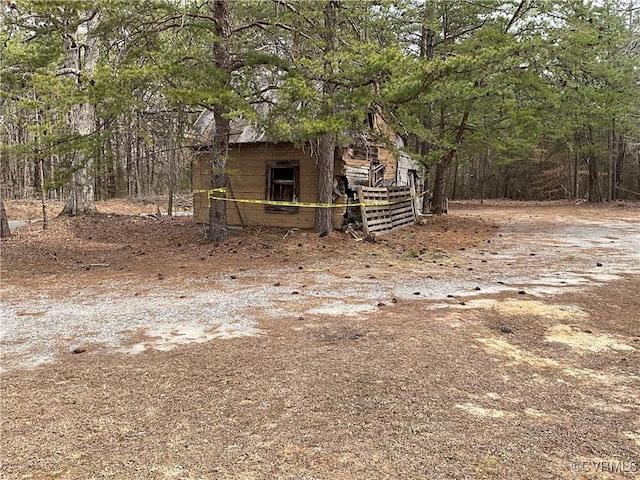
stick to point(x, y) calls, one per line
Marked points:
point(637, 162)
point(171, 182)
point(45, 220)
point(427, 43)
point(172, 173)
point(25, 179)
point(218, 231)
point(620, 157)
point(576, 183)
point(81, 199)
point(83, 57)
point(426, 34)
point(137, 167)
point(4, 221)
point(327, 143)
point(442, 168)
point(611, 191)
point(439, 186)
point(482, 179)
point(40, 178)
point(455, 180)
point(326, 152)
point(593, 190)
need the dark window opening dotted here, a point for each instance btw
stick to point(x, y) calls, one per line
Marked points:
point(283, 185)
point(371, 122)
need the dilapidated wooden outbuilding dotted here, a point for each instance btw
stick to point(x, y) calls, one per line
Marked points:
point(262, 171)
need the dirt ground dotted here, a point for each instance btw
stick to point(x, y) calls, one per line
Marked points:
point(498, 342)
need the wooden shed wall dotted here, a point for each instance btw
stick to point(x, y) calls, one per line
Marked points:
point(201, 178)
point(388, 159)
point(247, 167)
point(386, 156)
point(361, 172)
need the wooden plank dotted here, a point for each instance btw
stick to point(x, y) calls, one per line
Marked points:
point(399, 193)
point(384, 218)
point(399, 204)
point(378, 214)
point(384, 226)
point(399, 200)
point(377, 223)
point(378, 218)
point(407, 219)
point(403, 209)
point(406, 211)
point(402, 214)
point(375, 218)
point(363, 210)
point(399, 188)
point(402, 221)
point(399, 208)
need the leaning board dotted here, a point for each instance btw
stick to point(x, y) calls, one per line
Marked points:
point(401, 206)
point(385, 208)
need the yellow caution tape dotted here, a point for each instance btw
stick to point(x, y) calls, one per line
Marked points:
point(291, 204)
point(281, 203)
point(223, 190)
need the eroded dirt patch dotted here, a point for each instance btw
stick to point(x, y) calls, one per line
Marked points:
point(585, 340)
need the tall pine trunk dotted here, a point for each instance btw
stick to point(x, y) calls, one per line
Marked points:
point(593, 186)
point(427, 43)
point(218, 231)
point(4, 221)
point(611, 184)
point(81, 198)
point(575, 185)
point(325, 155)
point(439, 202)
point(327, 142)
point(81, 60)
point(593, 182)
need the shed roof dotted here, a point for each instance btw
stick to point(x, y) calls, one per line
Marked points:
point(202, 131)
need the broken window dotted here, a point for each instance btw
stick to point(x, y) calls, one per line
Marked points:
point(376, 174)
point(371, 120)
point(283, 185)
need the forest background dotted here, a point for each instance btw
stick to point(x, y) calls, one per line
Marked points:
point(518, 99)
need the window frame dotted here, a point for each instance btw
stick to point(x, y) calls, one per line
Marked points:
point(272, 183)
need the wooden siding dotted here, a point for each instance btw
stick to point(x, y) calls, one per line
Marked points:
point(388, 159)
point(357, 170)
point(247, 167)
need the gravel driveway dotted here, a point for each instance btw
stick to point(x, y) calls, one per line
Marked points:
point(538, 254)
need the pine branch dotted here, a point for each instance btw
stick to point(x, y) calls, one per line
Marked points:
point(68, 71)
